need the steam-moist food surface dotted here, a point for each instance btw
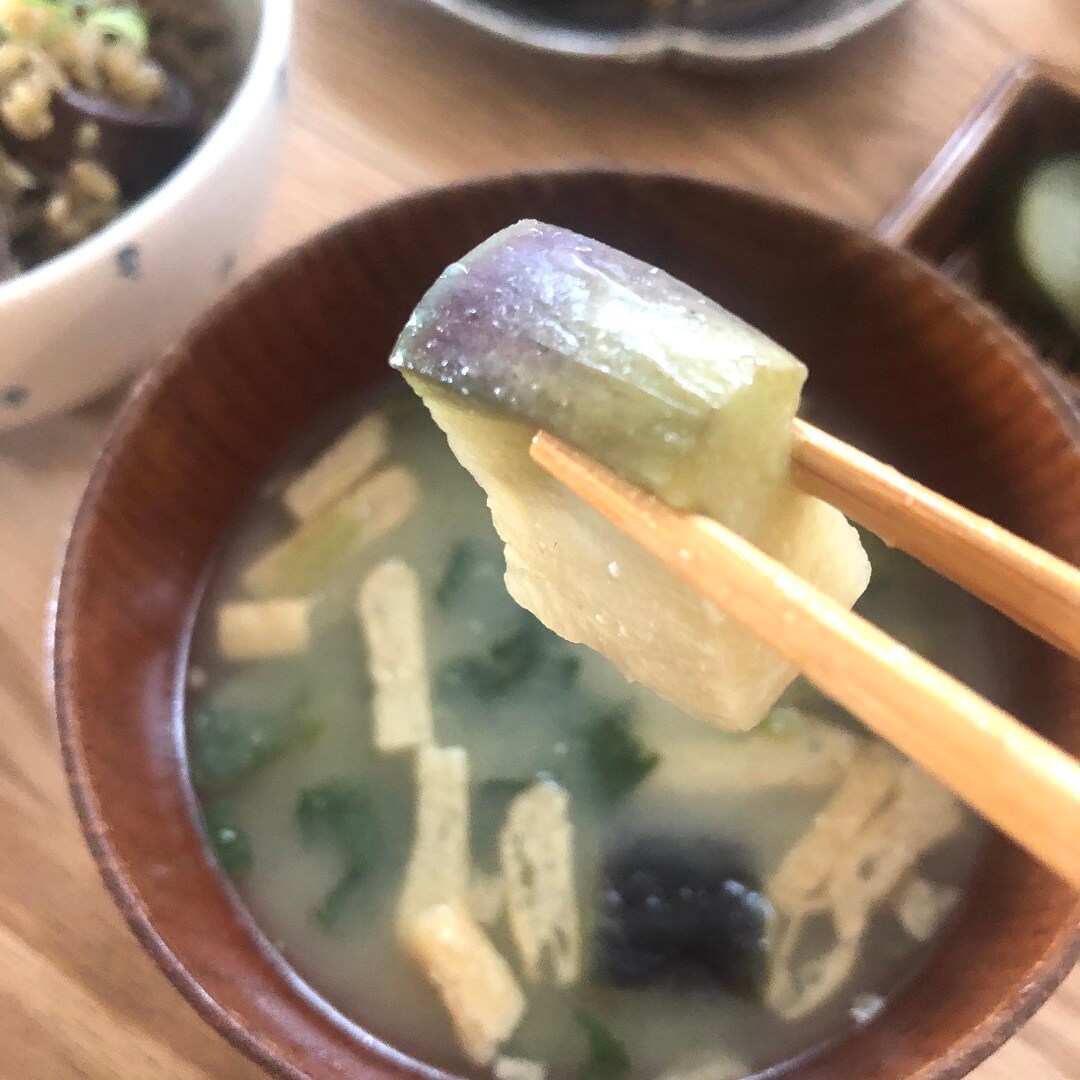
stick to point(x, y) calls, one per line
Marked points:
point(541, 327)
point(318, 823)
point(633, 366)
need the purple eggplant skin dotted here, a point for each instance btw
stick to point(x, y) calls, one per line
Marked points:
point(139, 146)
point(611, 355)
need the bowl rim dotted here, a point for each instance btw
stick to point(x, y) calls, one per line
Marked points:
point(660, 43)
point(265, 70)
point(985, 1038)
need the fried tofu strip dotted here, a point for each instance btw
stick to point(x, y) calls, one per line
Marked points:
point(438, 870)
point(816, 754)
point(261, 629)
point(536, 848)
point(922, 906)
point(915, 814)
point(809, 864)
point(338, 469)
point(391, 619)
point(473, 980)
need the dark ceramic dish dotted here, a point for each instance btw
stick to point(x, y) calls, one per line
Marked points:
point(723, 34)
point(1032, 109)
point(946, 393)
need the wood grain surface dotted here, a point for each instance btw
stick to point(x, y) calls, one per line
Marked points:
point(387, 99)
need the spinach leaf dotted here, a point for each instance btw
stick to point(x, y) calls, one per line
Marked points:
point(619, 759)
point(226, 746)
point(334, 904)
point(228, 841)
point(608, 1058)
point(530, 650)
point(341, 813)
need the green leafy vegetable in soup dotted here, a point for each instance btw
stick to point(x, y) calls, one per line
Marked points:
point(343, 814)
point(228, 840)
point(615, 753)
point(227, 741)
point(607, 1059)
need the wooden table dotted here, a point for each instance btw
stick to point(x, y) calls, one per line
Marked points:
point(386, 100)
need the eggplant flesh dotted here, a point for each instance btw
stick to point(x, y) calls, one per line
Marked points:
point(541, 328)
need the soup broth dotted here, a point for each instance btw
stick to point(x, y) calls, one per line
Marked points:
point(723, 926)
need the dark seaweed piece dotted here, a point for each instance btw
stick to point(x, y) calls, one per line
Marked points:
point(608, 1058)
point(619, 759)
point(341, 813)
point(681, 907)
point(226, 746)
point(228, 841)
point(564, 669)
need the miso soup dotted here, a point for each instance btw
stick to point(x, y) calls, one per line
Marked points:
point(486, 847)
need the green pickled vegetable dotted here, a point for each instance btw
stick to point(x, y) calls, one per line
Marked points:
point(1048, 233)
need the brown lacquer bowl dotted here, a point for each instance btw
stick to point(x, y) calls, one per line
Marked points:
point(942, 389)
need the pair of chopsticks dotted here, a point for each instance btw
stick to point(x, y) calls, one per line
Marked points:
point(1023, 784)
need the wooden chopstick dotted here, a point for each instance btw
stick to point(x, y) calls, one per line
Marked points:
point(1023, 784)
point(1034, 588)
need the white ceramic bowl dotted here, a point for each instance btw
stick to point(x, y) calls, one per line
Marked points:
point(76, 325)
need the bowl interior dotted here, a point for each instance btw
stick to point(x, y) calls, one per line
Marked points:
point(941, 390)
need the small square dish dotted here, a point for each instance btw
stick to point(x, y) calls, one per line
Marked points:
point(952, 214)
